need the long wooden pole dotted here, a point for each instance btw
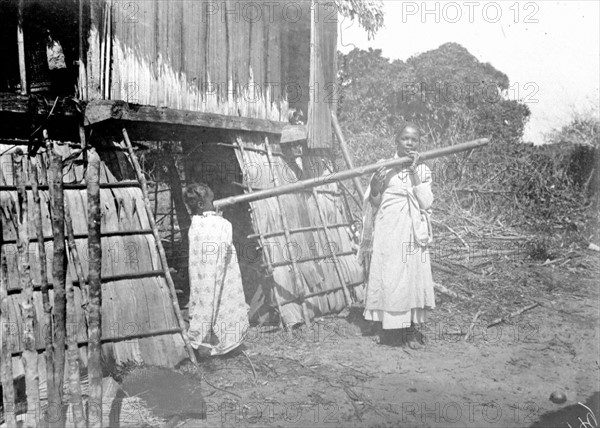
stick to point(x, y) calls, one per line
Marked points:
point(30, 356)
point(346, 153)
point(72, 325)
point(345, 175)
point(94, 413)
point(39, 229)
point(59, 264)
point(161, 251)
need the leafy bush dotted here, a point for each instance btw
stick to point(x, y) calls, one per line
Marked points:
point(549, 188)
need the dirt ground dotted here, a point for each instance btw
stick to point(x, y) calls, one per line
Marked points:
point(336, 373)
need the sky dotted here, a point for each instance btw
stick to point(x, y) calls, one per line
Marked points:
point(550, 50)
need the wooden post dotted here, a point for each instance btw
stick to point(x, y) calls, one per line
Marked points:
point(29, 356)
point(72, 325)
point(59, 264)
point(183, 218)
point(21, 48)
point(346, 153)
point(334, 256)
point(94, 413)
point(6, 330)
point(39, 229)
point(160, 248)
point(261, 239)
point(288, 239)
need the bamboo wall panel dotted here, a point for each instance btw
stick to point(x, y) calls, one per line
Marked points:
point(318, 276)
point(131, 307)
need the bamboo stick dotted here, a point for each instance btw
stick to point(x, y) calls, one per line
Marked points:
point(160, 248)
point(72, 349)
point(345, 175)
point(345, 192)
point(336, 261)
point(288, 239)
point(322, 292)
point(29, 357)
point(250, 149)
point(118, 233)
point(172, 222)
point(104, 279)
point(117, 338)
point(346, 153)
point(261, 239)
point(37, 215)
point(70, 186)
point(59, 263)
point(8, 391)
point(312, 259)
point(300, 230)
point(94, 413)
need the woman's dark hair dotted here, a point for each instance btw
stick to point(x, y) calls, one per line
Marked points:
point(196, 196)
point(408, 125)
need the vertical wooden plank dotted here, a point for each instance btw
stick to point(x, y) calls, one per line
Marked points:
point(93, 53)
point(21, 48)
point(29, 357)
point(8, 392)
point(95, 291)
point(322, 76)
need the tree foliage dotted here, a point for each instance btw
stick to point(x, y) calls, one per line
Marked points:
point(368, 12)
point(447, 91)
point(453, 97)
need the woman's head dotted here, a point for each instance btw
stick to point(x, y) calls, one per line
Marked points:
point(198, 197)
point(408, 139)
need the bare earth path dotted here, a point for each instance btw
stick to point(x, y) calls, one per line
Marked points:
point(336, 374)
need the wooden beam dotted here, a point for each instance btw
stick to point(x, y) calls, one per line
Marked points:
point(100, 110)
point(293, 134)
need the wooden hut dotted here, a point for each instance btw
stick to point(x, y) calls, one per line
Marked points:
point(217, 80)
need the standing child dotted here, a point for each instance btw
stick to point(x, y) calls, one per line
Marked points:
point(394, 244)
point(218, 309)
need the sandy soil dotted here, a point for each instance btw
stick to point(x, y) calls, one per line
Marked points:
point(337, 374)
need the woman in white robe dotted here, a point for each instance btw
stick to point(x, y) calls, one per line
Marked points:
point(394, 246)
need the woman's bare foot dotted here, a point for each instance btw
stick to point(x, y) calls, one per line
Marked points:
point(415, 339)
